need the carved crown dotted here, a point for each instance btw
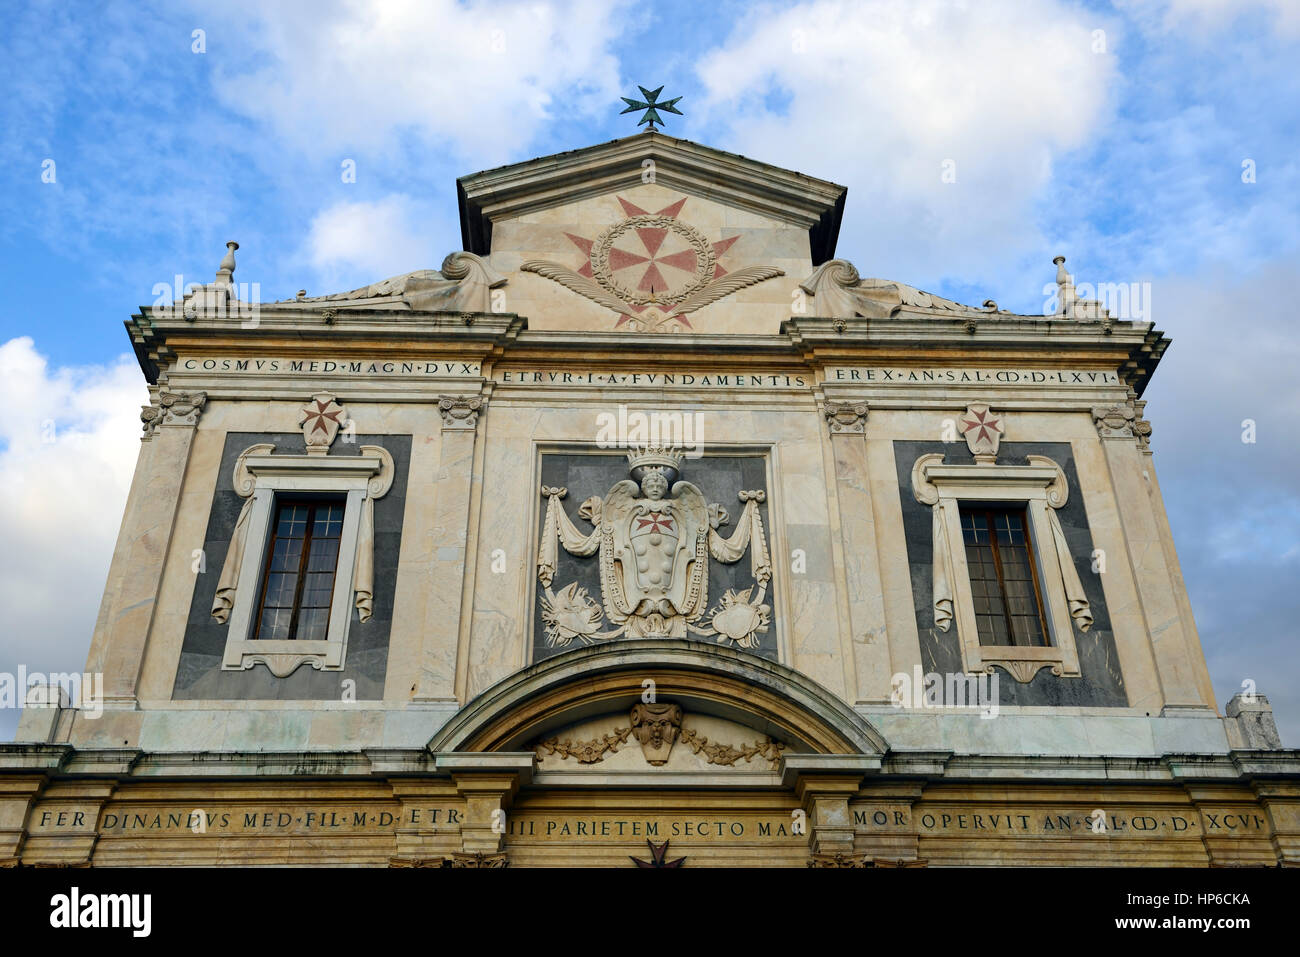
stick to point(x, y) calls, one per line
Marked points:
point(658, 458)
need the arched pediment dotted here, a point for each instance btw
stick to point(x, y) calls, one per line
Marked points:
point(703, 679)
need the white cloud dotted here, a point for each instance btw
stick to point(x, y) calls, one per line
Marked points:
point(480, 76)
point(69, 439)
point(879, 95)
point(354, 243)
point(1204, 18)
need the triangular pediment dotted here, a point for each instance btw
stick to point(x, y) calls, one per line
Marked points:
point(780, 195)
point(650, 234)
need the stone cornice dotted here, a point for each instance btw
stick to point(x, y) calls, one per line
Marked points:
point(64, 761)
point(1133, 349)
point(156, 335)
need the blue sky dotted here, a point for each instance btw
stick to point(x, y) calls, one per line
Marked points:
point(1112, 133)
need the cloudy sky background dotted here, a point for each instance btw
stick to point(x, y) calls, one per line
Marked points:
point(1122, 149)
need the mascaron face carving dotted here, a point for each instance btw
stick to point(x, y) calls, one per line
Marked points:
point(656, 727)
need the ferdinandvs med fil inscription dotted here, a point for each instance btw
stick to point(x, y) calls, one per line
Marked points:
point(777, 824)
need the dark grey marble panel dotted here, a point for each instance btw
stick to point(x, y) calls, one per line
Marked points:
point(719, 477)
point(199, 674)
point(1101, 684)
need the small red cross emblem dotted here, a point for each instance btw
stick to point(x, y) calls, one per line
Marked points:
point(317, 412)
point(989, 426)
point(656, 523)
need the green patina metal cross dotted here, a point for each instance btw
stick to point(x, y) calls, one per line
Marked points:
point(651, 107)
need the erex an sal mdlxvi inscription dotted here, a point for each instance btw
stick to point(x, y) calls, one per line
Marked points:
point(964, 376)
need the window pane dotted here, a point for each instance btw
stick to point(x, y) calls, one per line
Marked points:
point(300, 571)
point(1003, 588)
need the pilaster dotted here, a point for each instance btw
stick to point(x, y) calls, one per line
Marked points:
point(1179, 664)
point(857, 551)
point(135, 576)
point(439, 678)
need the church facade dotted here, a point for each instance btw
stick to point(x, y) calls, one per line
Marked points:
point(645, 530)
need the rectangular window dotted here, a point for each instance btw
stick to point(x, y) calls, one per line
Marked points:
point(1003, 576)
point(298, 584)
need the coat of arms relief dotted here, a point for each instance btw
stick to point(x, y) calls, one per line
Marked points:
point(652, 269)
point(652, 537)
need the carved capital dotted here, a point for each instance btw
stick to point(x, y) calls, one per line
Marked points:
point(1113, 420)
point(1123, 421)
point(460, 411)
point(846, 417)
point(173, 408)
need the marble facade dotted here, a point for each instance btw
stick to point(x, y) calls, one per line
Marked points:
point(641, 278)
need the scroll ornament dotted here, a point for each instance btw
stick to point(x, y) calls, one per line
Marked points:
point(841, 293)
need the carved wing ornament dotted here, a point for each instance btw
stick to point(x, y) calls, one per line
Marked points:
point(587, 288)
point(732, 282)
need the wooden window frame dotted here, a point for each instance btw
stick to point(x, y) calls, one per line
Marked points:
point(311, 504)
point(988, 510)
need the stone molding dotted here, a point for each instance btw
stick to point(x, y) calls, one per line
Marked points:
point(733, 683)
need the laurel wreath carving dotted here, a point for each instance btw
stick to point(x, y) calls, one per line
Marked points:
point(705, 258)
point(587, 752)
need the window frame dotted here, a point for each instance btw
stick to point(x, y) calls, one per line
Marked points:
point(1039, 488)
point(267, 478)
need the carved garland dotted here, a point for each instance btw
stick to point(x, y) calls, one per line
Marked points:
point(594, 750)
point(725, 754)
